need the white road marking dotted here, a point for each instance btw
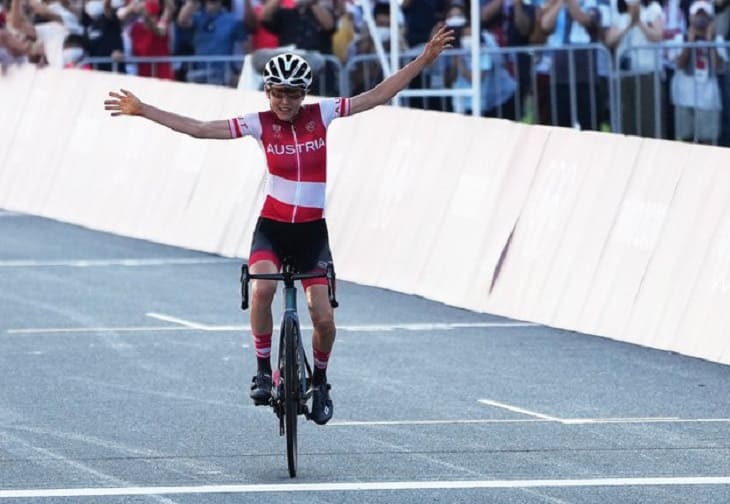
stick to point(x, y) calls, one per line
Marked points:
point(175, 320)
point(187, 324)
point(571, 421)
point(363, 423)
point(436, 326)
point(516, 409)
point(61, 330)
point(586, 421)
point(365, 486)
point(609, 420)
point(96, 263)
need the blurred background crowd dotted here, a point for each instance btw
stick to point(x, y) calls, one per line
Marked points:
point(645, 67)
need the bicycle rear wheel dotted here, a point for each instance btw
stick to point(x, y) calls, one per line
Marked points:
point(291, 392)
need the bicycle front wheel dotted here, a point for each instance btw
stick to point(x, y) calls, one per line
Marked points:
point(291, 393)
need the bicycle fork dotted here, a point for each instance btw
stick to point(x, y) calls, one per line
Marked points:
point(290, 328)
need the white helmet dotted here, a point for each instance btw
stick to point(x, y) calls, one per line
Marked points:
point(288, 69)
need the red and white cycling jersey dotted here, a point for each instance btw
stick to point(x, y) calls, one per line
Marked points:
point(296, 156)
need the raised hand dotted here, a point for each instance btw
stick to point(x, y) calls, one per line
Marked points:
point(440, 41)
point(123, 103)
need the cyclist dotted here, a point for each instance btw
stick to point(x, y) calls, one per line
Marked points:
point(291, 223)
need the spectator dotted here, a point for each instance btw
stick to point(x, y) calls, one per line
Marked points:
point(493, 17)
point(381, 18)
point(149, 36)
point(182, 43)
point(244, 10)
point(17, 50)
point(421, 17)
point(695, 88)
point(638, 23)
point(261, 38)
point(46, 38)
point(215, 32)
point(62, 11)
point(497, 85)
point(574, 22)
point(369, 72)
point(520, 26)
point(545, 12)
point(308, 26)
point(103, 33)
point(74, 51)
point(346, 32)
point(511, 23)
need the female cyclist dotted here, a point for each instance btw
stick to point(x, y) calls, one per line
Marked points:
point(291, 224)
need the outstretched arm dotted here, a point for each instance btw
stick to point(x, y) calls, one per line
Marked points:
point(126, 103)
point(388, 88)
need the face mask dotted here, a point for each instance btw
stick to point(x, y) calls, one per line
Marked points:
point(116, 4)
point(72, 55)
point(94, 8)
point(701, 21)
point(466, 41)
point(455, 21)
point(383, 33)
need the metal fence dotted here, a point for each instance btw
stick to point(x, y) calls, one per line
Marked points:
point(216, 70)
point(581, 86)
point(654, 97)
point(520, 83)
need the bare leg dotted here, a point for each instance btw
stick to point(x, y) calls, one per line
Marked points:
point(323, 336)
point(262, 296)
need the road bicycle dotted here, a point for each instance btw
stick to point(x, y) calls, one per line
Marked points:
point(292, 377)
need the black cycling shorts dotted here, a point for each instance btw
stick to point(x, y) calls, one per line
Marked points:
point(305, 243)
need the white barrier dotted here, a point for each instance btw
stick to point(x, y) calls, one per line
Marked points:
point(617, 236)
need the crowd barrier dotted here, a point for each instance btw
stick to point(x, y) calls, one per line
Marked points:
point(582, 85)
point(606, 234)
point(219, 70)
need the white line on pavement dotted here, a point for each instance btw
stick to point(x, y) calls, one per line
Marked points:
point(61, 330)
point(366, 423)
point(187, 325)
point(95, 263)
point(571, 421)
point(628, 420)
point(175, 320)
point(609, 420)
point(516, 409)
point(365, 486)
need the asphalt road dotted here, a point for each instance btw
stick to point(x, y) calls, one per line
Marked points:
point(125, 366)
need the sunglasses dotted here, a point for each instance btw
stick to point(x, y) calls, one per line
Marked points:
point(294, 94)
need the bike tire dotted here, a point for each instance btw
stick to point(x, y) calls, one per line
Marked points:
point(291, 393)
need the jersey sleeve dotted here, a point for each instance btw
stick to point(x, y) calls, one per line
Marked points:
point(332, 108)
point(246, 125)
